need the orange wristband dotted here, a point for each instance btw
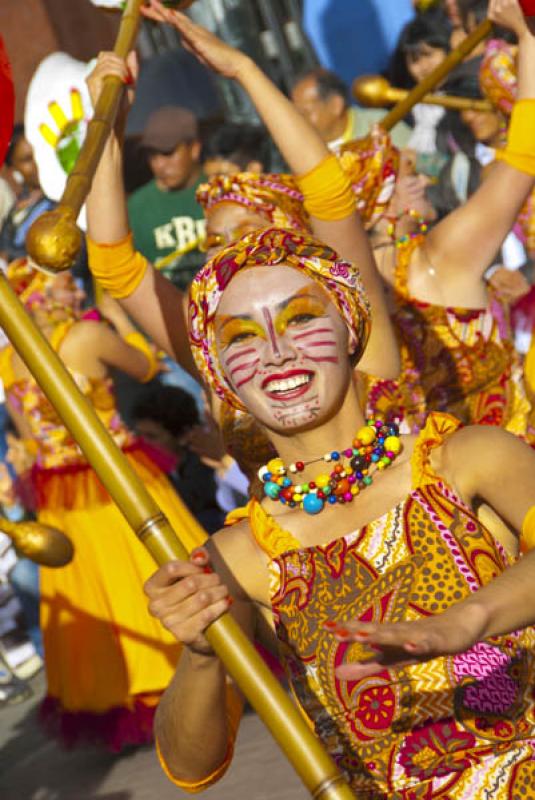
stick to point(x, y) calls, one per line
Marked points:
point(117, 267)
point(327, 191)
point(520, 151)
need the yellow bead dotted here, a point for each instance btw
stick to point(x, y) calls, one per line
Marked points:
point(322, 481)
point(354, 490)
point(365, 435)
point(276, 466)
point(297, 498)
point(393, 444)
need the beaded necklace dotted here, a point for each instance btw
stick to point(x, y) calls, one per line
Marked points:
point(375, 447)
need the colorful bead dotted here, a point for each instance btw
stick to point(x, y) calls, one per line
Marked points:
point(376, 445)
point(366, 435)
point(393, 444)
point(313, 504)
point(264, 474)
point(276, 466)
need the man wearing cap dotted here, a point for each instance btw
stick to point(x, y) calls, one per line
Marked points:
point(167, 222)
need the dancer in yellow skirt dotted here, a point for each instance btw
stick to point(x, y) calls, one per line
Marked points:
point(107, 660)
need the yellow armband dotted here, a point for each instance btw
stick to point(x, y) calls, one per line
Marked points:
point(527, 538)
point(529, 367)
point(327, 191)
point(117, 267)
point(234, 713)
point(138, 341)
point(520, 150)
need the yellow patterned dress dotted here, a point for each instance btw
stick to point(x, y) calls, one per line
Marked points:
point(456, 360)
point(460, 727)
point(107, 660)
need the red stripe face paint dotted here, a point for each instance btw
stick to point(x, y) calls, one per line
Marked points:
point(314, 332)
point(271, 331)
point(231, 359)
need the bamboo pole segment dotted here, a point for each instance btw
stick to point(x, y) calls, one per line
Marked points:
point(54, 239)
point(437, 76)
point(376, 92)
point(262, 689)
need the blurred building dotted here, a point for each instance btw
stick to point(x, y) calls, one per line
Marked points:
point(32, 29)
point(270, 30)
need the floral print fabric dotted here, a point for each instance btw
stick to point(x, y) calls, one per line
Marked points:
point(460, 727)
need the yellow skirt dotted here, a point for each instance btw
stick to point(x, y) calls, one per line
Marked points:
point(107, 659)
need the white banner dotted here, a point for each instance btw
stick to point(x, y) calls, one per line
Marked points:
point(58, 109)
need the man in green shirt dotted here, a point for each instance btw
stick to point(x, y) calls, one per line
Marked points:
point(167, 222)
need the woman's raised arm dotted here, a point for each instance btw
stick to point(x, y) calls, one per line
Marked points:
point(156, 305)
point(303, 149)
point(464, 244)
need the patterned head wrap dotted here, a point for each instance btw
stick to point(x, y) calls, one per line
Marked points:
point(30, 284)
point(271, 247)
point(277, 197)
point(372, 165)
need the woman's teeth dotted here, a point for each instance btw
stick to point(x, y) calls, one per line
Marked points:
point(288, 384)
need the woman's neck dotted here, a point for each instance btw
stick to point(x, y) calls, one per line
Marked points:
point(336, 434)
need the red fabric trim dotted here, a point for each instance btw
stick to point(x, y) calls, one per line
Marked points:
point(75, 485)
point(114, 730)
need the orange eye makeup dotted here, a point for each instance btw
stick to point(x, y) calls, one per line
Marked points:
point(238, 331)
point(300, 309)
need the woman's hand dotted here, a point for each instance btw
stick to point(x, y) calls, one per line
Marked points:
point(108, 64)
point(207, 48)
point(509, 14)
point(186, 596)
point(511, 285)
point(400, 644)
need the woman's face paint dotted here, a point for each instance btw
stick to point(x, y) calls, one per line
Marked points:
point(283, 347)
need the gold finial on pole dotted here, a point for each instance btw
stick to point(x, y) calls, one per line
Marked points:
point(40, 543)
point(376, 92)
point(54, 240)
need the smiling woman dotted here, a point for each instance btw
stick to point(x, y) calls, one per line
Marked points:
point(277, 322)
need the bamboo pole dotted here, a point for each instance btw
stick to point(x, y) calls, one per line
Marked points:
point(54, 239)
point(278, 712)
point(437, 76)
point(376, 92)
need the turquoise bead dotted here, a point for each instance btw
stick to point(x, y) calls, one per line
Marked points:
point(272, 490)
point(313, 504)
